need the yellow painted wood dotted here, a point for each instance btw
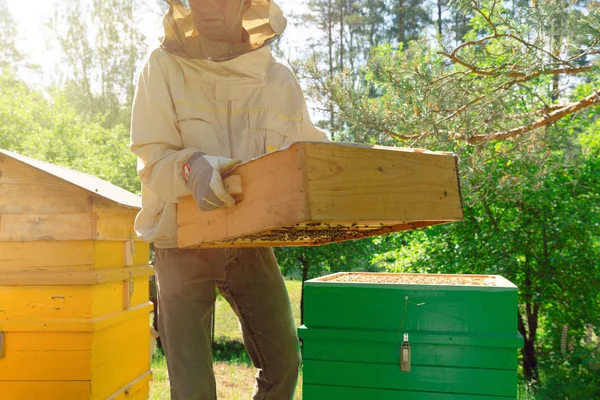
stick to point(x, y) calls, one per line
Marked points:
point(110, 254)
point(46, 256)
point(130, 330)
point(71, 324)
point(45, 365)
point(45, 390)
point(69, 301)
point(129, 365)
point(78, 355)
point(134, 390)
point(45, 302)
point(140, 292)
point(28, 190)
point(72, 278)
point(120, 338)
point(48, 341)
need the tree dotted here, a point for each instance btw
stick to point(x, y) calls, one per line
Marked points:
point(529, 176)
point(411, 18)
point(50, 129)
point(9, 54)
point(102, 61)
point(492, 86)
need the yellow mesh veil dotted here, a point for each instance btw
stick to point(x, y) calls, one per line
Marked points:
point(263, 23)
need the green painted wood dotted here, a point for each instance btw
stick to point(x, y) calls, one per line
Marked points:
point(428, 308)
point(421, 354)
point(464, 341)
point(447, 338)
point(352, 393)
point(433, 379)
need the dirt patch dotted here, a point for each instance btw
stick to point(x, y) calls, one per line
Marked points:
point(415, 279)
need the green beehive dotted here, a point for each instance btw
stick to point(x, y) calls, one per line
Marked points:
point(410, 336)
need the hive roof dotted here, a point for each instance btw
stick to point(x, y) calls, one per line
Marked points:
point(85, 181)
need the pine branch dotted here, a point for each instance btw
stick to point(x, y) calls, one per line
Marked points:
point(568, 109)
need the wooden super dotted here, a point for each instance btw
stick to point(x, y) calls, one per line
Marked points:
point(313, 193)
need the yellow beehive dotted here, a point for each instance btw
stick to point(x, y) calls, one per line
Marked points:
point(73, 286)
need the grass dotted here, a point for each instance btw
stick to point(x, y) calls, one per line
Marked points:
point(234, 372)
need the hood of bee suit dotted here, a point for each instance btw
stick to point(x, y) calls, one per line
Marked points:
point(263, 23)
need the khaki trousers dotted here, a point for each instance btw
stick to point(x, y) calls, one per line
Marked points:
point(250, 280)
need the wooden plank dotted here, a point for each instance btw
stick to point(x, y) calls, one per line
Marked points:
point(476, 381)
point(127, 291)
point(28, 190)
point(274, 196)
point(72, 278)
point(47, 390)
point(70, 301)
point(339, 191)
point(137, 389)
point(352, 183)
point(128, 250)
point(46, 256)
point(115, 226)
point(45, 302)
point(49, 341)
point(58, 324)
point(355, 393)
point(120, 338)
point(45, 365)
point(47, 227)
point(110, 254)
point(119, 370)
point(106, 206)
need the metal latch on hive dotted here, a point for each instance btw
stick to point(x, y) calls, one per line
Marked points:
point(1, 344)
point(405, 354)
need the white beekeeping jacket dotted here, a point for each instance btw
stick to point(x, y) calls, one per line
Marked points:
point(240, 108)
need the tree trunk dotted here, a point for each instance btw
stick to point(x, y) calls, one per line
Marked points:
point(439, 21)
point(400, 21)
point(530, 371)
point(330, 45)
point(342, 10)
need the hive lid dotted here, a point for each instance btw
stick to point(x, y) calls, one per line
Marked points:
point(448, 280)
point(85, 181)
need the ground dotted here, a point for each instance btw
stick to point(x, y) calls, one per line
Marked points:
point(233, 370)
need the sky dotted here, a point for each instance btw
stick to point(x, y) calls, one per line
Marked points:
point(31, 15)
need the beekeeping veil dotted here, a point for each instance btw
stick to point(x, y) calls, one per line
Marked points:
point(263, 23)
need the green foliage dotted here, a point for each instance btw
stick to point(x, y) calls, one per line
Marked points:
point(48, 128)
point(573, 375)
point(331, 258)
point(9, 54)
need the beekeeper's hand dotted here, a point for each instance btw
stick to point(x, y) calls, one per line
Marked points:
point(204, 178)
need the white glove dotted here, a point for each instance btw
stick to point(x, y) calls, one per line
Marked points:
point(206, 182)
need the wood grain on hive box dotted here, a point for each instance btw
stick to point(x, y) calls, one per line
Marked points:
point(313, 193)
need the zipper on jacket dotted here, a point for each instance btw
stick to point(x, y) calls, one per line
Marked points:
point(230, 129)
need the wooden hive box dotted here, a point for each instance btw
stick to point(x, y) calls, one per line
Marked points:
point(410, 336)
point(74, 303)
point(313, 193)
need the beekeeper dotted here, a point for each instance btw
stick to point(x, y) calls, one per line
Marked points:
point(210, 97)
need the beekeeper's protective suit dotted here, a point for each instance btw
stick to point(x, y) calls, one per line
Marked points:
point(202, 106)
